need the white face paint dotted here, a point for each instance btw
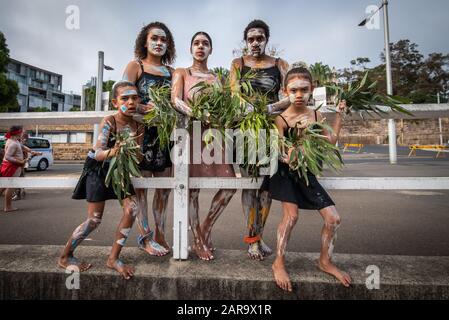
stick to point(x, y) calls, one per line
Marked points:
point(157, 42)
point(256, 41)
point(292, 98)
point(299, 85)
point(201, 47)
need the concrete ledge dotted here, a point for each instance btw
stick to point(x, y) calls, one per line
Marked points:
point(30, 272)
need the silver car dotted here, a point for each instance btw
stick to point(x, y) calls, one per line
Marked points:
point(41, 162)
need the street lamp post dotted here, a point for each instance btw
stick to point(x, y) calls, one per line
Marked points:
point(391, 123)
point(99, 91)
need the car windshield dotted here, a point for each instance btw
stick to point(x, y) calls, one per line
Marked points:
point(37, 143)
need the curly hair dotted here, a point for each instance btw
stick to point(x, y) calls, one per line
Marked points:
point(257, 24)
point(141, 51)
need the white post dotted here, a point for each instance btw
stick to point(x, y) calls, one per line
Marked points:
point(391, 123)
point(99, 91)
point(440, 125)
point(181, 159)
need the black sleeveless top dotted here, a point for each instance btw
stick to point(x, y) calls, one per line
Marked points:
point(267, 81)
point(288, 131)
point(154, 159)
point(147, 80)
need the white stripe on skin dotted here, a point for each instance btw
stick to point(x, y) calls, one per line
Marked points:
point(125, 232)
point(129, 93)
point(299, 84)
point(182, 107)
point(283, 234)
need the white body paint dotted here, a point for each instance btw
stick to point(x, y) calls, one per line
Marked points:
point(257, 48)
point(153, 45)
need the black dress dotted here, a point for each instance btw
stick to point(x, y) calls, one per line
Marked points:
point(267, 81)
point(91, 185)
point(154, 159)
point(287, 186)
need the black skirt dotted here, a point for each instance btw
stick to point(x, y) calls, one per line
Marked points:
point(91, 185)
point(154, 159)
point(286, 186)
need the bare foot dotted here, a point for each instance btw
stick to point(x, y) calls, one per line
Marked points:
point(255, 252)
point(154, 249)
point(208, 241)
point(10, 209)
point(331, 269)
point(281, 276)
point(65, 262)
point(209, 244)
point(160, 239)
point(203, 252)
point(127, 271)
point(266, 251)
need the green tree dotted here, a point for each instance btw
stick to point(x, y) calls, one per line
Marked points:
point(414, 77)
point(322, 74)
point(91, 92)
point(8, 88)
point(74, 109)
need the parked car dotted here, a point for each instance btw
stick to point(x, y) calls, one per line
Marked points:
point(43, 145)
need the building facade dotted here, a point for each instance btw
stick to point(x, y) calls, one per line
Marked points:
point(39, 88)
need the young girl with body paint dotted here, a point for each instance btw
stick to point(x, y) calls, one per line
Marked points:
point(182, 93)
point(292, 191)
point(91, 185)
point(154, 52)
point(269, 72)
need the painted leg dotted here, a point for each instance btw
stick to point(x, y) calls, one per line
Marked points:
point(283, 235)
point(199, 245)
point(145, 240)
point(328, 237)
point(130, 212)
point(95, 213)
point(264, 209)
point(8, 200)
point(249, 203)
point(219, 203)
point(160, 203)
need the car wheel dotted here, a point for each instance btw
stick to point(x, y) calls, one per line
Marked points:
point(42, 165)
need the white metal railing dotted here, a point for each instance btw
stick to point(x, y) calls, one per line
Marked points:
point(181, 182)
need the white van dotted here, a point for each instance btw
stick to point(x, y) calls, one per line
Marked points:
point(43, 145)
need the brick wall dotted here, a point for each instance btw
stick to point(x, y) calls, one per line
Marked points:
point(75, 151)
point(420, 131)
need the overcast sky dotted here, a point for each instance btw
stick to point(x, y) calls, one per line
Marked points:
point(310, 31)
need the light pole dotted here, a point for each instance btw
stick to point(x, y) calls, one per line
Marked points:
point(391, 123)
point(99, 91)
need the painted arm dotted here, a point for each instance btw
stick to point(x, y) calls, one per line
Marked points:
point(102, 152)
point(284, 102)
point(280, 125)
point(177, 90)
point(336, 126)
point(29, 151)
point(10, 151)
